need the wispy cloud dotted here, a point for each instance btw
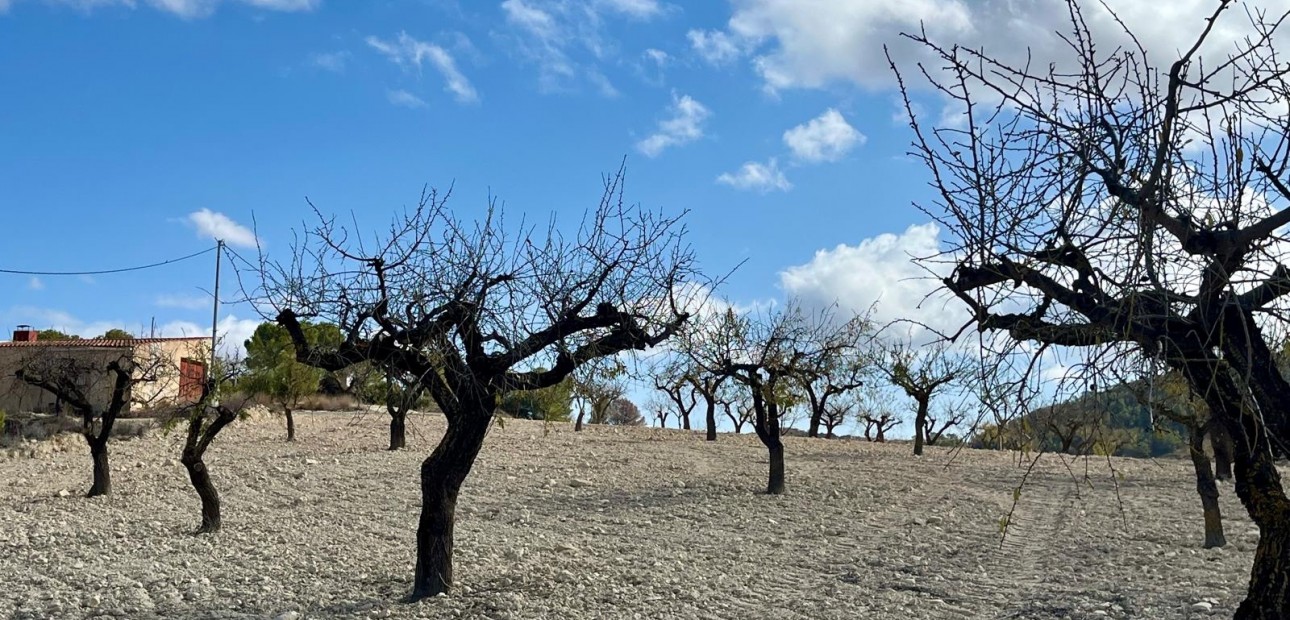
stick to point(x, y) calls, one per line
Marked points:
point(713, 46)
point(330, 61)
point(683, 125)
point(183, 301)
point(756, 176)
point(567, 39)
point(216, 225)
point(185, 9)
point(405, 99)
point(410, 53)
point(35, 284)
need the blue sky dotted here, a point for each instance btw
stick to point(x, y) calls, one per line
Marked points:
point(133, 131)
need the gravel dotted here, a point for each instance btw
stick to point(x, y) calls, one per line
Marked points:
point(609, 523)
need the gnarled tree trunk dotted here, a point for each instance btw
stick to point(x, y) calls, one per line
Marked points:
point(920, 423)
point(398, 430)
point(1207, 489)
point(442, 474)
point(1221, 442)
point(102, 484)
point(711, 419)
point(775, 482)
point(201, 479)
point(291, 426)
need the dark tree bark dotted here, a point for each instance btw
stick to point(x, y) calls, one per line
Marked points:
point(1207, 488)
point(775, 483)
point(102, 484)
point(204, 423)
point(1221, 443)
point(710, 417)
point(291, 426)
point(442, 474)
point(398, 430)
point(920, 422)
point(577, 424)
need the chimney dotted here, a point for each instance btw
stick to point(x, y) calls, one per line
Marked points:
point(24, 333)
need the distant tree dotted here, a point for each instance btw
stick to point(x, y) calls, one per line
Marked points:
point(659, 408)
point(763, 355)
point(551, 404)
point(402, 394)
point(674, 379)
point(845, 367)
point(115, 334)
point(272, 369)
point(596, 385)
point(53, 334)
point(81, 382)
point(922, 372)
point(623, 412)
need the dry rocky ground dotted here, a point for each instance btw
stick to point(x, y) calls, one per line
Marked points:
point(608, 523)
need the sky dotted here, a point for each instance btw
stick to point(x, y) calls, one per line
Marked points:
point(136, 131)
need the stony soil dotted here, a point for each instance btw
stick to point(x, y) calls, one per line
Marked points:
point(610, 523)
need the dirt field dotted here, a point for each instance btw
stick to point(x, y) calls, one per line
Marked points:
point(609, 523)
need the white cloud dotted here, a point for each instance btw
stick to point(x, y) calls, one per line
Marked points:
point(185, 9)
point(880, 272)
point(233, 333)
point(536, 21)
point(639, 9)
point(215, 225)
point(405, 99)
point(683, 125)
point(758, 177)
point(408, 52)
point(184, 301)
point(714, 46)
point(825, 138)
point(35, 284)
point(330, 61)
point(811, 43)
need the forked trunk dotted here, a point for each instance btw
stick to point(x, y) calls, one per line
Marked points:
point(102, 484)
point(201, 479)
point(711, 421)
point(1207, 489)
point(685, 420)
point(398, 430)
point(291, 426)
point(775, 484)
point(813, 429)
point(442, 474)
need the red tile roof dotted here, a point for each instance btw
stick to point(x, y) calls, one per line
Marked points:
point(97, 343)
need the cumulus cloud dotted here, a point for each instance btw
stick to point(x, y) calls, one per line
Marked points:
point(758, 177)
point(215, 225)
point(879, 273)
point(825, 138)
point(185, 9)
point(405, 99)
point(683, 125)
point(410, 53)
point(811, 43)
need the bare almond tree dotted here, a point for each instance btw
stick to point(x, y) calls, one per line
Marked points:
point(922, 372)
point(98, 386)
point(478, 310)
point(1130, 209)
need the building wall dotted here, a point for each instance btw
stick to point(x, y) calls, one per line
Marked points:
point(159, 360)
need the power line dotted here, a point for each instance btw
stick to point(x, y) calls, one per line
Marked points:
point(105, 271)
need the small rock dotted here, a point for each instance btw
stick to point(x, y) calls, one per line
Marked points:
point(288, 615)
point(565, 548)
point(311, 461)
point(578, 483)
point(64, 493)
point(1203, 606)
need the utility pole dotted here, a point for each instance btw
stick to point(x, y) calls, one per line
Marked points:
point(210, 372)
